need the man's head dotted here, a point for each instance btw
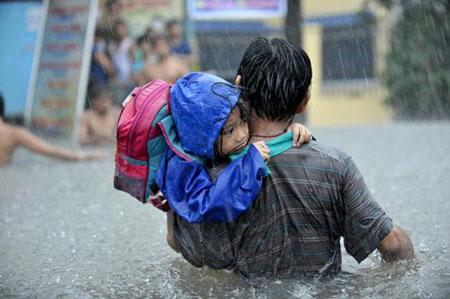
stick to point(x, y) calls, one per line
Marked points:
point(276, 77)
point(120, 29)
point(173, 29)
point(2, 106)
point(101, 100)
point(159, 45)
point(113, 7)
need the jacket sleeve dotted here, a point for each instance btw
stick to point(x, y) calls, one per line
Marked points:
point(193, 195)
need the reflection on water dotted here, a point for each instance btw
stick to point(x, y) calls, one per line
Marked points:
point(64, 230)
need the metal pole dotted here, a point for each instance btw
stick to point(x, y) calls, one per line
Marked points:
point(293, 31)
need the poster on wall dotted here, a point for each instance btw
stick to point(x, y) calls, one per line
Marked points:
point(140, 14)
point(61, 67)
point(236, 9)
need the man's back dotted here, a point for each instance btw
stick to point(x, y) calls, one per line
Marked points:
point(169, 70)
point(313, 196)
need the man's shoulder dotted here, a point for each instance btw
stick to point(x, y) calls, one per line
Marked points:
point(317, 148)
point(315, 154)
point(88, 115)
point(174, 60)
point(13, 135)
point(7, 132)
point(13, 130)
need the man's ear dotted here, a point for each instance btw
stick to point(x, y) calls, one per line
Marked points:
point(237, 81)
point(302, 107)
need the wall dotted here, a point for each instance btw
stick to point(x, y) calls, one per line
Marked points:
point(350, 102)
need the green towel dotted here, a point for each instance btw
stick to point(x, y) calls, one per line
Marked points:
point(276, 146)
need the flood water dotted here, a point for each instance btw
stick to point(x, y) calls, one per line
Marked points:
point(66, 233)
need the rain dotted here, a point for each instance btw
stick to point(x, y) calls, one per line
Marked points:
point(380, 92)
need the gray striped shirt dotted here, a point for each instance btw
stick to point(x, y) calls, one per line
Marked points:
point(314, 196)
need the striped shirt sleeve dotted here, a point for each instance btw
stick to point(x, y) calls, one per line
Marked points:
point(365, 223)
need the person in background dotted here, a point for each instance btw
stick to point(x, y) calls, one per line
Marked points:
point(178, 46)
point(109, 15)
point(102, 69)
point(98, 125)
point(120, 49)
point(165, 66)
point(12, 137)
point(140, 54)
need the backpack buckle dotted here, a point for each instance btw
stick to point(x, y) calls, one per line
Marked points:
point(130, 96)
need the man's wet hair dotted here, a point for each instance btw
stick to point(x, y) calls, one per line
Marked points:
point(110, 3)
point(94, 92)
point(2, 106)
point(155, 37)
point(140, 40)
point(171, 23)
point(275, 76)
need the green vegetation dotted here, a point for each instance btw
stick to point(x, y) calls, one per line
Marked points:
point(417, 73)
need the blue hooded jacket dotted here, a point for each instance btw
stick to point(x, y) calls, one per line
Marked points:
point(200, 105)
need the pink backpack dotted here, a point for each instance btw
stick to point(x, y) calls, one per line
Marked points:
point(140, 141)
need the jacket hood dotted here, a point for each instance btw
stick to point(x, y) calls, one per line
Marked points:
point(200, 104)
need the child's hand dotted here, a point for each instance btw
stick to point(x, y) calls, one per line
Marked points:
point(301, 134)
point(263, 150)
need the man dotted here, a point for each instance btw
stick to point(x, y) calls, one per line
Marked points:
point(167, 67)
point(98, 125)
point(178, 46)
point(11, 137)
point(314, 196)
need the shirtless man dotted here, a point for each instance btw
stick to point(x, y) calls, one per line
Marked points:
point(12, 137)
point(167, 67)
point(98, 125)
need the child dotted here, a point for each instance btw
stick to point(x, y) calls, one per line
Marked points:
point(98, 124)
point(212, 124)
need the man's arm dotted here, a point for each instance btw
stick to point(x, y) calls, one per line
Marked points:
point(40, 146)
point(366, 225)
point(396, 246)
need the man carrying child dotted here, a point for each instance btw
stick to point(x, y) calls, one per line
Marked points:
point(314, 195)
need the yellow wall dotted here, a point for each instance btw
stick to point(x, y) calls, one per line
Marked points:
point(345, 104)
point(313, 8)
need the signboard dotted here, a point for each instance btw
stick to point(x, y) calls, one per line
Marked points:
point(61, 66)
point(236, 9)
point(19, 23)
point(140, 14)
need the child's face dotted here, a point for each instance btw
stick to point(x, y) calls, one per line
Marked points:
point(234, 135)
